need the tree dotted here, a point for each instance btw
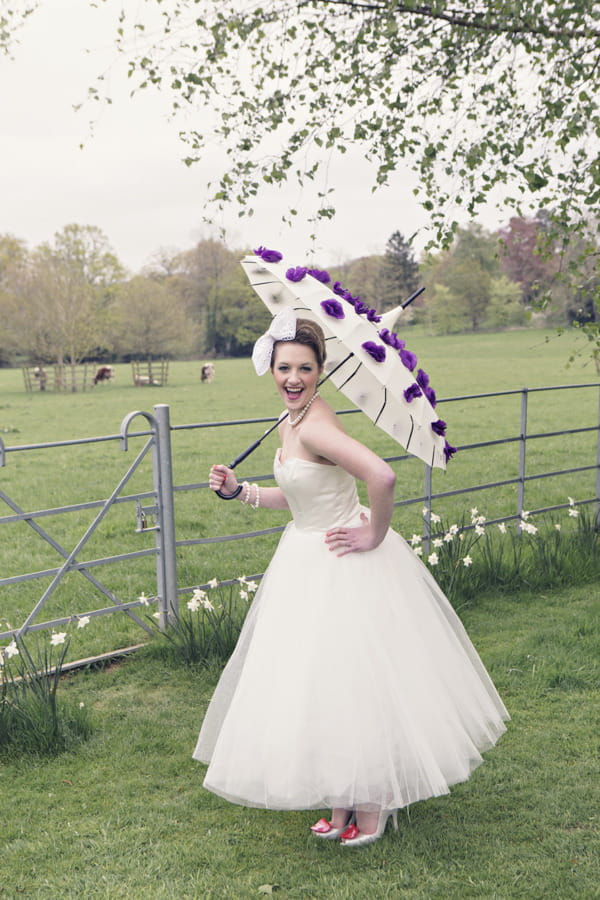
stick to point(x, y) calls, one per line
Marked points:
point(150, 321)
point(400, 273)
point(470, 96)
point(12, 253)
point(219, 299)
point(363, 277)
point(526, 259)
point(56, 302)
point(11, 20)
point(468, 270)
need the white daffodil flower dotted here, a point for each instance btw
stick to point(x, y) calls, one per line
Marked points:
point(213, 583)
point(433, 559)
point(193, 604)
point(479, 529)
point(11, 650)
point(58, 637)
point(143, 599)
point(435, 518)
point(243, 595)
point(558, 526)
point(415, 540)
point(418, 551)
point(467, 561)
point(83, 621)
point(437, 543)
point(199, 595)
point(207, 604)
point(252, 586)
point(502, 527)
point(573, 512)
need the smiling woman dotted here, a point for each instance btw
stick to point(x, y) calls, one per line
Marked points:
point(353, 684)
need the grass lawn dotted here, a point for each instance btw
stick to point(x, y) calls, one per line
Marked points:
point(125, 816)
point(458, 365)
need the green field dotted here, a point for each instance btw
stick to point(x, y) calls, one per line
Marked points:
point(125, 816)
point(59, 476)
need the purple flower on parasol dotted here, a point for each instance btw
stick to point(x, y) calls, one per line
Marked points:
point(360, 307)
point(321, 275)
point(391, 339)
point(338, 289)
point(408, 358)
point(374, 350)
point(439, 427)
point(422, 379)
point(412, 392)
point(333, 308)
point(372, 316)
point(296, 273)
point(430, 394)
point(449, 451)
point(271, 256)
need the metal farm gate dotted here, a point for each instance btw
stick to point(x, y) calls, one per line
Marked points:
point(157, 503)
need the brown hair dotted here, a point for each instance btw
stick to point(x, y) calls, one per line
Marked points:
point(311, 335)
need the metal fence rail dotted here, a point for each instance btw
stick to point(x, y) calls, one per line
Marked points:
point(159, 503)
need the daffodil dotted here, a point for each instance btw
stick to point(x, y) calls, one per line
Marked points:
point(213, 583)
point(11, 650)
point(143, 599)
point(467, 561)
point(58, 637)
point(433, 559)
point(83, 621)
point(502, 527)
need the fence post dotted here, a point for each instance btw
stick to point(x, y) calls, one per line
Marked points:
point(597, 510)
point(522, 458)
point(166, 560)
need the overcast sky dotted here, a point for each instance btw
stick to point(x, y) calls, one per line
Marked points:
point(129, 179)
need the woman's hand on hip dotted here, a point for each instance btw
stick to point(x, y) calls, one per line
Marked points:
point(342, 539)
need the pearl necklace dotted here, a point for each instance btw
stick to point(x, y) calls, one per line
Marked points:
point(303, 411)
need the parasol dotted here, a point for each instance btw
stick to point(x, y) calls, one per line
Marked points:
point(366, 360)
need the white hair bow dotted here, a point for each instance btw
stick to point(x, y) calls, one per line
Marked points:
point(282, 328)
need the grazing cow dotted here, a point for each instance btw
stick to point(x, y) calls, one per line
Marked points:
point(40, 374)
point(208, 372)
point(103, 373)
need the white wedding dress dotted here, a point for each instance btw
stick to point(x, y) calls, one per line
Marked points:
point(354, 683)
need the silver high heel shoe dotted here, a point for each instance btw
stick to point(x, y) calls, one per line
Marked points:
point(352, 837)
point(324, 829)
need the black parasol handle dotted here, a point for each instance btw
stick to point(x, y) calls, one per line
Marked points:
point(412, 297)
point(259, 441)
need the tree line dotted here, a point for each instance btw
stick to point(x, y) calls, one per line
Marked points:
point(71, 300)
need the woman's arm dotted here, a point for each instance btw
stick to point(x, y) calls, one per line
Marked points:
point(323, 437)
point(223, 478)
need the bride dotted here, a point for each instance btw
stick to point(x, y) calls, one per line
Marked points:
point(353, 685)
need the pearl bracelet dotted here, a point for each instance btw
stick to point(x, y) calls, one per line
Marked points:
point(256, 503)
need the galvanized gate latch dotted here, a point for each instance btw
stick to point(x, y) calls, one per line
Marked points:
point(143, 514)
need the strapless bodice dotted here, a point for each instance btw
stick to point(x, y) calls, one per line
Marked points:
point(319, 496)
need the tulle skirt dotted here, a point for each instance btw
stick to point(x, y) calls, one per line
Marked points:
point(353, 684)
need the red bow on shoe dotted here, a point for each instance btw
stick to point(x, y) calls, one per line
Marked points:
point(321, 827)
point(349, 833)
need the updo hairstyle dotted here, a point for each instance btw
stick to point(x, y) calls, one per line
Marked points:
point(311, 335)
